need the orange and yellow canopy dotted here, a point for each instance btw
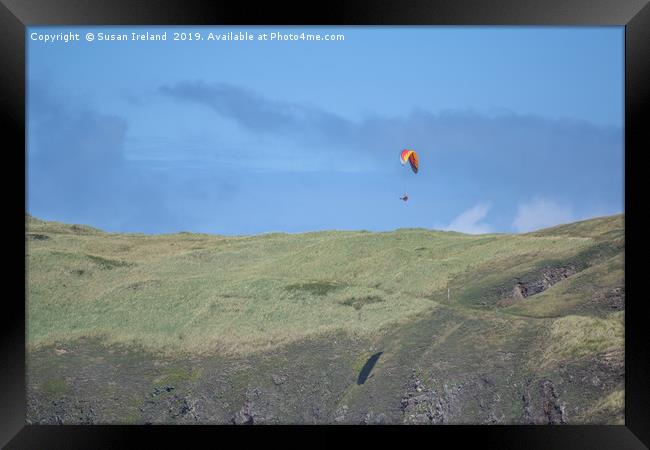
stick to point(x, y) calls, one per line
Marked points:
point(411, 157)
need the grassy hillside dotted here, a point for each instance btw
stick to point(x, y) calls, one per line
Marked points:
point(500, 315)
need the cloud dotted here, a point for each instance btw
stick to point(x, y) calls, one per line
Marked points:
point(541, 213)
point(470, 221)
point(257, 113)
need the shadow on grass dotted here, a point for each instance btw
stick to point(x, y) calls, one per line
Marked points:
point(367, 368)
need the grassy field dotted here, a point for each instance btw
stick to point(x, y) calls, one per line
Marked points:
point(278, 328)
point(203, 293)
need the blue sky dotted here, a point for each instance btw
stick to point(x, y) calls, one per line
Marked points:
point(517, 128)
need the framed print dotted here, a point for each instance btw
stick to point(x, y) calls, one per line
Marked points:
point(358, 215)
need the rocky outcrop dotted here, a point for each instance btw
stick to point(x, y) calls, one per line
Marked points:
point(554, 410)
point(373, 418)
point(541, 404)
point(423, 405)
point(36, 237)
point(340, 413)
point(257, 408)
point(614, 299)
point(245, 415)
point(61, 411)
point(546, 278)
point(167, 404)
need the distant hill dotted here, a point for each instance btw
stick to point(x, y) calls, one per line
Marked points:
point(410, 326)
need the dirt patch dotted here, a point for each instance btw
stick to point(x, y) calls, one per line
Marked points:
point(613, 299)
point(359, 302)
point(83, 229)
point(107, 264)
point(36, 237)
point(140, 285)
point(319, 288)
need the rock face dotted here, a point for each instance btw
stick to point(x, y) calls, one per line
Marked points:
point(62, 410)
point(544, 408)
point(339, 414)
point(423, 405)
point(257, 409)
point(547, 278)
point(166, 403)
point(554, 410)
point(496, 391)
point(520, 291)
point(244, 416)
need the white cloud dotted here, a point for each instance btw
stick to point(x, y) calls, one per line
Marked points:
point(470, 220)
point(541, 213)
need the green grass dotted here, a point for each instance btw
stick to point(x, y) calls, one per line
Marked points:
point(573, 337)
point(199, 293)
point(54, 387)
point(177, 375)
point(603, 228)
point(610, 406)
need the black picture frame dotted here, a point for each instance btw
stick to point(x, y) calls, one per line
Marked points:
point(16, 15)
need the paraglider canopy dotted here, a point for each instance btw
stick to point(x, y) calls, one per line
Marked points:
point(411, 157)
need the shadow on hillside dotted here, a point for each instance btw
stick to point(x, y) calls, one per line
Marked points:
point(367, 368)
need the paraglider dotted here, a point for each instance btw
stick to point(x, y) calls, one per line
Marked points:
point(409, 156)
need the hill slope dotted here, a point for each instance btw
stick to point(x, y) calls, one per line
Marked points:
point(411, 326)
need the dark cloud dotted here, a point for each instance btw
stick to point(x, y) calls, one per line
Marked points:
point(258, 113)
point(77, 171)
